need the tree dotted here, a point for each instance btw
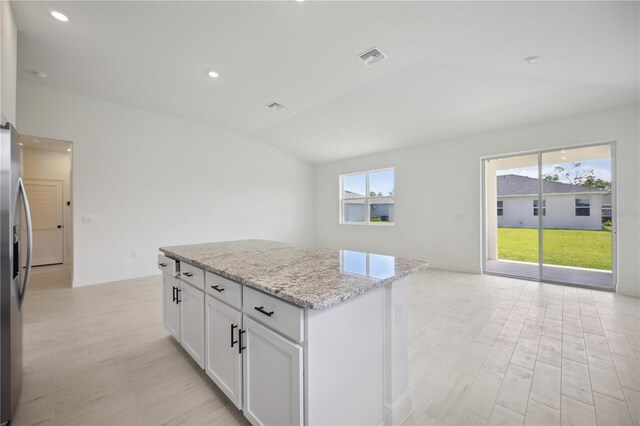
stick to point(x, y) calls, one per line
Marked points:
point(577, 175)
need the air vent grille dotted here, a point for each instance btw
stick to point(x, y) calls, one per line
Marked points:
point(275, 106)
point(372, 56)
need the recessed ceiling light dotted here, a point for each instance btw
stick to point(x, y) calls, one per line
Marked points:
point(39, 74)
point(21, 144)
point(563, 158)
point(68, 149)
point(59, 16)
point(299, 1)
point(213, 74)
point(531, 59)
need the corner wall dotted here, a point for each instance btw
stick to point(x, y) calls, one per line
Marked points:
point(439, 192)
point(151, 180)
point(8, 63)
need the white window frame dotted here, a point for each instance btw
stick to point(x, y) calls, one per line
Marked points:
point(366, 198)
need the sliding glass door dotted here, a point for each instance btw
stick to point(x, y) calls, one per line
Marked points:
point(548, 216)
point(513, 238)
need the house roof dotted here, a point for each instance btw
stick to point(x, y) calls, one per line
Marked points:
point(513, 185)
point(359, 198)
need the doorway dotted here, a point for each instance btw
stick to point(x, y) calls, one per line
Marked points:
point(547, 216)
point(47, 171)
point(46, 199)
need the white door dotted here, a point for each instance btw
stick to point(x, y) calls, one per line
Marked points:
point(45, 198)
point(272, 367)
point(191, 302)
point(171, 306)
point(223, 359)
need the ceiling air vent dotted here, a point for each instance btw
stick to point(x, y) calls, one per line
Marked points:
point(275, 106)
point(372, 56)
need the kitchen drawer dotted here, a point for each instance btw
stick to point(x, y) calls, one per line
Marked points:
point(224, 289)
point(168, 265)
point(192, 275)
point(283, 317)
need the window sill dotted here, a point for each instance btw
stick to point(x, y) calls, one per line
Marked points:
point(368, 224)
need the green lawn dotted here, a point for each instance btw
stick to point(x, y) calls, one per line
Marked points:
point(585, 249)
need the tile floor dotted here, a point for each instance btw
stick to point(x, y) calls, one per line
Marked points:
point(493, 350)
point(484, 350)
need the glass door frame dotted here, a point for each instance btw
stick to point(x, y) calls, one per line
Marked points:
point(540, 153)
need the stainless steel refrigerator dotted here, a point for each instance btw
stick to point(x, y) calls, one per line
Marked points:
point(14, 209)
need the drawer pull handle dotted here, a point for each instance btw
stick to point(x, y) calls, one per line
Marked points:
point(188, 274)
point(240, 347)
point(162, 265)
point(175, 296)
point(218, 289)
point(262, 311)
point(233, 342)
point(178, 290)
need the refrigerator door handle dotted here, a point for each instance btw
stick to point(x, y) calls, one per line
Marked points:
point(27, 212)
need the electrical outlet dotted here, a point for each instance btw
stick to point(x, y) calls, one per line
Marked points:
point(87, 218)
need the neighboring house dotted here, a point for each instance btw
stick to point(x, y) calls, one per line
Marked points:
point(354, 207)
point(565, 206)
point(606, 208)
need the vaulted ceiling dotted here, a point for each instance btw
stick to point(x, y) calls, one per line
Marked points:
point(453, 68)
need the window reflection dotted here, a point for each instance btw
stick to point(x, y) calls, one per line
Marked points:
point(368, 265)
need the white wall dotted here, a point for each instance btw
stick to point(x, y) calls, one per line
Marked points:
point(439, 187)
point(151, 180)
point(517, 212)
point(8, 63)
point(47, 164)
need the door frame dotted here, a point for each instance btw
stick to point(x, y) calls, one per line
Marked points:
point(614, 218)
point(65, 221)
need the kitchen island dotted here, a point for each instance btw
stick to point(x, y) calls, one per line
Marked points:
point(294, 334)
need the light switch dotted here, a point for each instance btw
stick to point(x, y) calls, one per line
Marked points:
point(87, 218)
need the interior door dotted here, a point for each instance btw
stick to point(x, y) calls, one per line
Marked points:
point(45, 197)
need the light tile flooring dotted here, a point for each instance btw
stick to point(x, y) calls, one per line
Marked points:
point(483, 350)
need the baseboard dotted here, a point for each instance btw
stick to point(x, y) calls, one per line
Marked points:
point(103, 279)
point(455, 267)
point(398, 412)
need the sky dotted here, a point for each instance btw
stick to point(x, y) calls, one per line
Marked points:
point(601, 168)
point(382, 181)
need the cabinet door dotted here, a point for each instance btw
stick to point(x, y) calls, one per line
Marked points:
point(171, 308)
point(192, 321)
point(272, 367)
point(223, 359)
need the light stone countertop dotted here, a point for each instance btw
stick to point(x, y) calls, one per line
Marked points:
point(310, 277)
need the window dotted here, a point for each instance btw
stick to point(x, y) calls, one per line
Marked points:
point(500, 208)
point(535, 207)
point(583, 207)
point(368, 197)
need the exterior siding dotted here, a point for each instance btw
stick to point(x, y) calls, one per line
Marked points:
point(518, 212)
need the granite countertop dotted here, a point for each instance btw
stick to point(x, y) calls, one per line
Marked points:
point(310, 277)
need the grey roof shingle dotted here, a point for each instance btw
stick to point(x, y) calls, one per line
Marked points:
point(509, 185)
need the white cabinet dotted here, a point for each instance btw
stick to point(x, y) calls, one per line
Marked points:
point(273, 376)
point(171, 307)
point(223, 358)
point(191, 302)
